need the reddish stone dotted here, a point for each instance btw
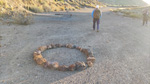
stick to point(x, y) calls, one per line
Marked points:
point(69, 46)
point(37, 56)
point(40, 61)
point(55, 65)
point(92, 59)
point(80, 65)
point(64, 45)
point(46, 64)
point(39, 52)
point(90, 54)
point(42, 48)
point(63, 68)
point(49, 47)
point(89, 63)
point(72, 67)
point(79, 48)
point(58, 45)
point(50, 66)
point(87, 52)
point(53, 45)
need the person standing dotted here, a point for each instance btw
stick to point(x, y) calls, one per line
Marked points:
point(145, 17)
point(96, 15)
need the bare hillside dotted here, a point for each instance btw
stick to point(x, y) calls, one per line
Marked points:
point(125, 2)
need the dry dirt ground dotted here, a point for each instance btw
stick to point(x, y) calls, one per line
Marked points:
point(121, 49)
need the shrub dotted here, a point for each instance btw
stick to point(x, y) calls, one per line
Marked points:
point(36, 9)
point(73, 8)
point(46, 8)
point(22, 18)
point(2, 2)
point(61, 0)
point(77, 7)
point(57, 9)
point(54, 8)
point(41, 2)
point(62, 8)
point(4, 13)
point(133, 15)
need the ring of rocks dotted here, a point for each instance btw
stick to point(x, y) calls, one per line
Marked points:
point(40, 60)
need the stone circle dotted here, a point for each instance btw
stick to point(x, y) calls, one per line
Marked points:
point(40, 60)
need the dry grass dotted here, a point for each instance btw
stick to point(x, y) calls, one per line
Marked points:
point(62, 8)
point(135, 12)
point(77, 7)
point(2, 2)
point(38, 6)
point(17, 17)
point(124, 2)
point(46, 8)
point(22, 18)
point(54, 8)
point(36, 9)
point(47, 5)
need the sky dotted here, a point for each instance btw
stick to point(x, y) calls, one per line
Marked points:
point(147, 1)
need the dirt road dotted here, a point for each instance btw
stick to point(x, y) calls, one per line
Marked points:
point(121, 48)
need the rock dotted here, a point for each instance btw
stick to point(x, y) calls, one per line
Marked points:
point(90, 54)
point(83, 64)
point(64, 45)
point(69, 46)
point(87, 52)
point(79, 48)
point(49, 47)
point(37, 56)
point(92, 59)
point(63, 68)
point(53, 45)
point(50, 66)
point(74, 46)
point(72, 67)
point(55, 65)
point(46, 64)
point(89, 63)
point(80, 65)
point(39, 52)
point(58, 45)
point(42, 48)
point(40, 61)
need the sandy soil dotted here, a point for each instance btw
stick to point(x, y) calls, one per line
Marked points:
point(121, 48)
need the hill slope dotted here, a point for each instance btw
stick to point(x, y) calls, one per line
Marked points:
point(125, 2)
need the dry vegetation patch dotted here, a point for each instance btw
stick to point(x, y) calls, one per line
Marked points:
point(22, 18)
point(135, 12)
point(17, 11)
